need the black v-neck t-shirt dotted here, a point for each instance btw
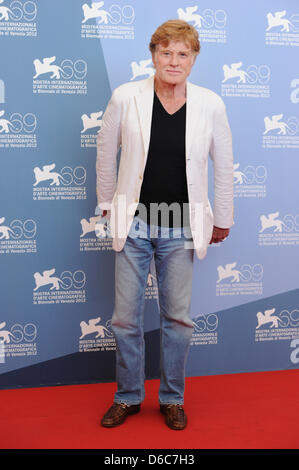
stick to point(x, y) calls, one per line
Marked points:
point(164, 177)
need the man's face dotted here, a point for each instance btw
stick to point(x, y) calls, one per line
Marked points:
point(173, 63)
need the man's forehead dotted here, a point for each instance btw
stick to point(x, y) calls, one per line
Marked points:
point(175, 45)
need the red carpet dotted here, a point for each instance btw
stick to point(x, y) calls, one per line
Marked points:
point(239, 411)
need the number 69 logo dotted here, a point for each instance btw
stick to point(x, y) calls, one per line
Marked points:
point(205, 323)
point(20, 123)
point(21, 333)
point(19, 11)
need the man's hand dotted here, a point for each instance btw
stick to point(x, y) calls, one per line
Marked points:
point(219, 234)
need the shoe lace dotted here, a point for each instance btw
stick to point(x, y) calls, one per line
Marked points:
point(123, 405)
point(119, 408)
point(176, 410)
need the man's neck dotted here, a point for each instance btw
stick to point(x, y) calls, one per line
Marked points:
point(169, 91)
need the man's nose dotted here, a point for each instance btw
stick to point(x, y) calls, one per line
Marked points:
point(174, 60)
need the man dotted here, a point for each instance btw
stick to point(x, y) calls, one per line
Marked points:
point(166, 128)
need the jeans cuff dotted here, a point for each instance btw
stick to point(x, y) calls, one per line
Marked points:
point(171, 403)
point(121, 402)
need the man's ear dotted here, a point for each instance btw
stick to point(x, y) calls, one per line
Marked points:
point(153, 59)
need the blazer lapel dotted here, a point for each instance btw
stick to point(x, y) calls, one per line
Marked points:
point(192, 114)
point(144, 101)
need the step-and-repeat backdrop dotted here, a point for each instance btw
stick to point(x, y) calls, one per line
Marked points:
point(60, 60)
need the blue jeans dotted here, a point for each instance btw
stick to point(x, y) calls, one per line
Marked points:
point(174, 266)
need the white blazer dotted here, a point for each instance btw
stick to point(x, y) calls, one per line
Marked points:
point(127, 123)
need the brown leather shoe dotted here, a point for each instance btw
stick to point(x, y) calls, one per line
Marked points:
point(175, 417)
point(117, 414)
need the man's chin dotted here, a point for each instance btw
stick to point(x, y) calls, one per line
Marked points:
point(174, 79)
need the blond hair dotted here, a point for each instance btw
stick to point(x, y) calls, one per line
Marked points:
point(175, 30)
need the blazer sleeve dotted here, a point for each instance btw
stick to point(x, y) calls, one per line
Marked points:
point(108, 144)
point(221, 153)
